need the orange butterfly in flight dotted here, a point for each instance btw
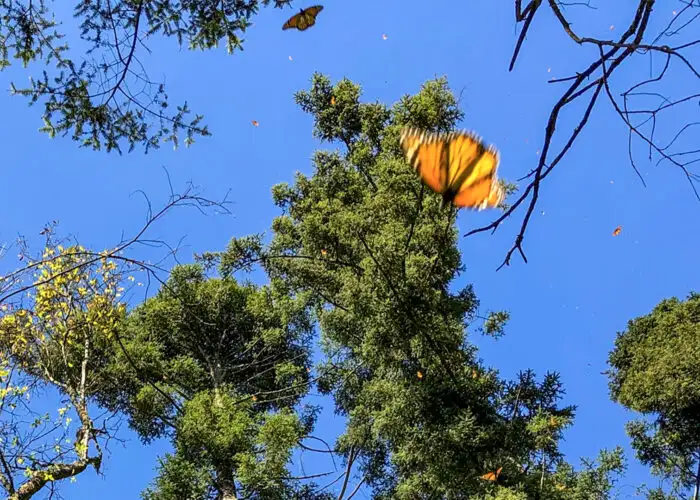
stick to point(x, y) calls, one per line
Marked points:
point(304, 19)
point(492, 476)
point(457, 165)
point(617, 230)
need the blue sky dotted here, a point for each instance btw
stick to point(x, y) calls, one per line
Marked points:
point(581, 285)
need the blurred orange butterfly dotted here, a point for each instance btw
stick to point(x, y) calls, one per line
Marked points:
point(304, 19)
point(617, 230)
point(255, 123)
point(457, 165)
point(492, 476)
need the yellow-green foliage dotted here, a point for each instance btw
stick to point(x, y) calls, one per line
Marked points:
point(74, 301)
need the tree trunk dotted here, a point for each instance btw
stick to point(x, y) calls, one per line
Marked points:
point(225, 484)
point(696, 491)
point(228, 490)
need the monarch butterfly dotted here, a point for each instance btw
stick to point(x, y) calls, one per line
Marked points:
point(492, 476)
point(457, 165)
point(304, 19)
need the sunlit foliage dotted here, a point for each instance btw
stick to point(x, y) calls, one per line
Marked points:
point(58, 337)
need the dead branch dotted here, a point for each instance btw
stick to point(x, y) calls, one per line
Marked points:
point(589, 83)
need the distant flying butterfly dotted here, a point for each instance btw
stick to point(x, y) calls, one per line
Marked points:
point(492, 476)
point(255, 123)
point(457, 165)
point(617, 230)
point(304, 19)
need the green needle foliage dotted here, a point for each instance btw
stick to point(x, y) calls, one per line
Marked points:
point(218, 367)
point(378, 258)
point(364, 255)
point(86, 94)
point(655, 371)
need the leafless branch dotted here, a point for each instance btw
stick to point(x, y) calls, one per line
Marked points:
point(589, 83)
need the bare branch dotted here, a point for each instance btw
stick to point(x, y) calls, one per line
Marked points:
point(596, 77)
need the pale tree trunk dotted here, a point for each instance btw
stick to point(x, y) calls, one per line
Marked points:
point(227, 487)
point(224, 476)
point(57, 471)
point(696, 491)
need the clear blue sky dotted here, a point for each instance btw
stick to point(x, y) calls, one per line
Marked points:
point(581, 284)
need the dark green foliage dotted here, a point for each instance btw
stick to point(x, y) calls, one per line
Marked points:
point(378, 257)
point(365, 252)
point(87, 95)
point(219, 368)
point(180, 479)
point(655, 371)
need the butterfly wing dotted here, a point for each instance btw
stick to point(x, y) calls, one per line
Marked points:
point(492, 476)
point(292, 21)
point(496, 195)
point(457, 165)
point(304, 19)
point(427, 154)
point(473, 167)
point(310, 16)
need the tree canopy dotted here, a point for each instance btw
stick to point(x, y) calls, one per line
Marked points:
point(365, 298)
point(655, 372)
